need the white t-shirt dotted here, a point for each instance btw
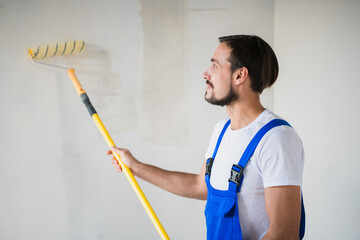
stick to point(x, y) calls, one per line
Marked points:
point(277, 161)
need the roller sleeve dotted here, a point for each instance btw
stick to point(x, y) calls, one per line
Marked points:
point(58, 49)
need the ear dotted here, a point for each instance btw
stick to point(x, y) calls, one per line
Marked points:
point(240, 75)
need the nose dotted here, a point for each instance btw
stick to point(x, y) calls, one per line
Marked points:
point(206, 75)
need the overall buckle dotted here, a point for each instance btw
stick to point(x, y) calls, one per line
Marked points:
point(236, 174)
point(209, 163)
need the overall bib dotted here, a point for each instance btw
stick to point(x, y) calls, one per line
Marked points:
point(221, 211)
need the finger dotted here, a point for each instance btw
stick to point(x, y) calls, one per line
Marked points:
point(116, 165)
point(117, 150)
point(118, 168)
point(109, 152)
point(113, 158)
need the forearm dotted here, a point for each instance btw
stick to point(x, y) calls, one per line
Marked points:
point(180, 183)
point(183, 184)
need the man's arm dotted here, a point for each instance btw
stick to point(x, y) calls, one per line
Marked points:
point(283, 206)
point(180, 183)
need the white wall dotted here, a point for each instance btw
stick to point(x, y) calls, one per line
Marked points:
point(55, 180)
point(317, 43)
point(56, 183)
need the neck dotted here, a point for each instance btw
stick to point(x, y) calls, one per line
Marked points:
point(243, 112)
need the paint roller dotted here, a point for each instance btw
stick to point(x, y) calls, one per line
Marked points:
point(72, 47)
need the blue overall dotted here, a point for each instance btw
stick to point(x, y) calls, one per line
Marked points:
point(221, 211)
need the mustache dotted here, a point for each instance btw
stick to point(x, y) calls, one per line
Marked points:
point(209, 83)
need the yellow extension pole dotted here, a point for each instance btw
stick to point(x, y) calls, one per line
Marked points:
point(110, 143)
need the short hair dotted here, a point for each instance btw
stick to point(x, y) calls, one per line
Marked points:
point(257, 56)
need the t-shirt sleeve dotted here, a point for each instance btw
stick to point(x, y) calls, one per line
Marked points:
point(280, 158)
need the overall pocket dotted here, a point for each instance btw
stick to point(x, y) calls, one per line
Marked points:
point(219, 205)
point(220, 213)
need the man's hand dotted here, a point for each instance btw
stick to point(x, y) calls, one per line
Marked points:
point(126, 157)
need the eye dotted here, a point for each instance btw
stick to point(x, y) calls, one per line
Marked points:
point(213, 65)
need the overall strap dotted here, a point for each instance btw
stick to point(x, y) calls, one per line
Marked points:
point(220, 138)
point(302, 219)
point(209, 161)
point(236, 176)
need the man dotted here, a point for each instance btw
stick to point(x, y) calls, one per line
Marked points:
point(262, 197)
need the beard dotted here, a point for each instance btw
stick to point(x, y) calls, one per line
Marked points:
point(227, 100)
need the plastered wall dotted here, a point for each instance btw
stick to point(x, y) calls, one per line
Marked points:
point(57, 183)
point(143, 72)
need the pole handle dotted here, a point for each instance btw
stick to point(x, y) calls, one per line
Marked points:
point(75, 81)
point(130, 177)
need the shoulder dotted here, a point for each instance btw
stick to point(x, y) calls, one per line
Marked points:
point(281, 133)
point(280, 157)
point(282, 138)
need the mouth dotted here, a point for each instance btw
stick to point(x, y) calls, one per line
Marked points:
point(209, 84)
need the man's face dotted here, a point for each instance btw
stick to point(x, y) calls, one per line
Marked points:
point(218, 78)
